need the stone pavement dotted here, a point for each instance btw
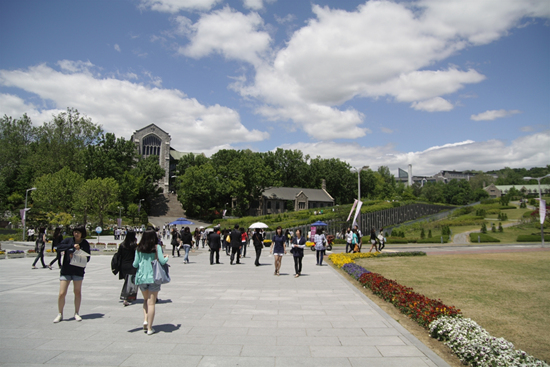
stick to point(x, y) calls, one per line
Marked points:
point(219, 315)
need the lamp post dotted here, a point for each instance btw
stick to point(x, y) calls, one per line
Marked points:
point(540, 205)
point(120, 215)
point(139, 206)
point(25, 210)
point(359, 187)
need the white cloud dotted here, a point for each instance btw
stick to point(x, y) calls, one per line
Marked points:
point(383, 49)
point(117, 47)
point(386, 130)
point(432, 105)
point(174, 6)
point(491, 115)
point(253, 4)
point(122, 106)
point(527, 129)
point(228, 32)
point(528, 151)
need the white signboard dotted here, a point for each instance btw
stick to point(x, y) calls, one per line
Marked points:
point(542, 211)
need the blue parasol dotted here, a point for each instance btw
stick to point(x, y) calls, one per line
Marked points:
point(318, 224)
point(181, 222)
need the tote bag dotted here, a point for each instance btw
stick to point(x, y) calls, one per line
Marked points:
point(80, 259)
point(160, 272)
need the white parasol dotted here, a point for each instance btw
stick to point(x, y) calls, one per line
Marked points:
point(258, 225)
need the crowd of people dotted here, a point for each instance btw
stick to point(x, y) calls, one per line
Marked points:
point(139, 249)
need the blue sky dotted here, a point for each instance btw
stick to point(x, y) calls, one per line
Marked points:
point(440, 85)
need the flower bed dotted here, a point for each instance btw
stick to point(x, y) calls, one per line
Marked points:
point(310, 244)
point(13, 252)
point(419, 308)
point(354, 270)
point(476, 347)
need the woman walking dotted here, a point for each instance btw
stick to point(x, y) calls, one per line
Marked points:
point(320, 242)
point(175, 240)
point(257, 240)
point(40, 247)
point(126, 255)
point(147, 251)
point(56, 240)
point(187, 242)
point(71, 272)
point(372, 240)
point(278, 248)
point(298, 246)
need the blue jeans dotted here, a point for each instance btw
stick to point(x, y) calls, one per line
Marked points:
point(320, 254)
point(186, 248)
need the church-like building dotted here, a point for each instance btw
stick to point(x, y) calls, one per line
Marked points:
point(152, 140)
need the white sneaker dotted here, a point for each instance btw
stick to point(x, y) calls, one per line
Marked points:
point(151, 332)
point(58, 318)
point(77, 317)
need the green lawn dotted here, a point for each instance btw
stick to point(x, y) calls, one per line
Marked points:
point(506, 293)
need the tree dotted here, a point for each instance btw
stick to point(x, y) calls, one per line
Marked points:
point(63, 141)
point(199, 189)
point(190, 160)
point(289, 167)
point(133, 211)
point(95, 196)
point(56, 192)
point(111, 157)
point(422, 234)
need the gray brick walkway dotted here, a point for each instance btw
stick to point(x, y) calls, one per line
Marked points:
point(218, 315)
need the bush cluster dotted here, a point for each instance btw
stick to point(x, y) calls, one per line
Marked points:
point(482, 237)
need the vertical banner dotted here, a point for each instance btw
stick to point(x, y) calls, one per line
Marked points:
point(223, 214)
point(542, 211)
point(351, 211)
point(312, 235)
point(23, 216)
point(359, 205)
point(119, 222)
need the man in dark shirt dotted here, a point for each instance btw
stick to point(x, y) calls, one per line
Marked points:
point(213, 239)
point(235, 244)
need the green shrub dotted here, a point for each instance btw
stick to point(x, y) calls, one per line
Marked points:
point(531, 238)
point(422, 234)
point(483, 228)
point(404, 253)
point(503, 207)
point(396, 240)
point(483, 238)
point(432, 240)
point(489, 201)
point(339, 241)
point(500, 229)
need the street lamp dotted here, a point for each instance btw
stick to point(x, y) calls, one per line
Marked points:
point(139, 206)
point(540, 204)
point(25, 210)
point(359, 187)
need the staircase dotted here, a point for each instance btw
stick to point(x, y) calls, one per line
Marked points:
point(165, 208)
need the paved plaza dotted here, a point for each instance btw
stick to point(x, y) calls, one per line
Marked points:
point(209, 315)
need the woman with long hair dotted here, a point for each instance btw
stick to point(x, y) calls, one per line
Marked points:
point(126, 255)
point(187, 242)
point(278, 248)
point(373, 240)
point(56, 240)
point(320, 242)
point(70, 272)
point(147, 251)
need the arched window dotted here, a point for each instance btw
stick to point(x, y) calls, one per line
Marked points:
point(151, 145)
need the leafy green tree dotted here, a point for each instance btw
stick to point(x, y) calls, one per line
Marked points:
point(110, 157)
point(480, 180)
point(56, 192)
point(133, 211)
point(96, 195)
point(341, 182)
point(429, 233)
point(422, 234)
point(289, 167)
point(199, 190)
point(493, 228)
point(190, 160)
point(16, 136)
point(483, 228)
point(433, 192)
point(63, 142)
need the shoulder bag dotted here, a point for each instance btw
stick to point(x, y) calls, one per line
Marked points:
point(160, 272)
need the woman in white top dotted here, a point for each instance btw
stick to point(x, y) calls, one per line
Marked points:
point(320, 242)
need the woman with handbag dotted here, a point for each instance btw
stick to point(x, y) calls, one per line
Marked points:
point(72, 270)
point(39, 248)
point(298, 246)
point(320, 242)
point(147, 251)
point(126, 255)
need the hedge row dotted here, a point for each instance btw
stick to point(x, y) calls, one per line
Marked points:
point(532, 238)
point(482, 237)
point(436, 239)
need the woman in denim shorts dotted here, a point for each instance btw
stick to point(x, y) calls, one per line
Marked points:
point(69, 272)
point(147, 251)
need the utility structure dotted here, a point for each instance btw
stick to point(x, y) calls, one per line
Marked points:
point(542, 206)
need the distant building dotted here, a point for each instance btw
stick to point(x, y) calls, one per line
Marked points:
point(152, 140)
point(496, 191)
point(275, 200)
point(447, 176)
